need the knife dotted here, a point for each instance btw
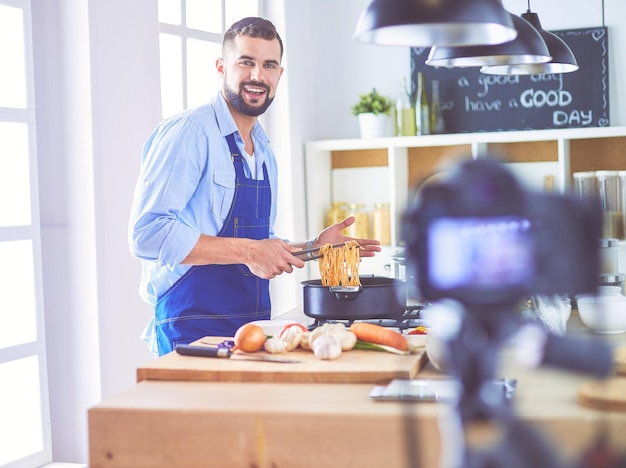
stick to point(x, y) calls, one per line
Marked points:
point(208, 351)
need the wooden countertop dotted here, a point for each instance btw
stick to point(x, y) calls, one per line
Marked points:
point(260, 424)
point(187, 424)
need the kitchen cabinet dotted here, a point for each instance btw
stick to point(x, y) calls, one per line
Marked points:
point(392, 169)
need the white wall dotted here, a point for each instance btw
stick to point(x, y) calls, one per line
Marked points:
point(97, 96)
point(338, 68)
point(63, 100)
point(126, 108)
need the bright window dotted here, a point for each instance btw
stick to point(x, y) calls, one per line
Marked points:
point(21, 431)
point(202, 79)
point(17, 283)
point(24, 407)
point(191, 42)
point(13, 76)
point(14, 174)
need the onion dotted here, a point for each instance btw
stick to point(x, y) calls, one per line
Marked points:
point(249, 338)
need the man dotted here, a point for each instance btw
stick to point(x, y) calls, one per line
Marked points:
point(205, 203)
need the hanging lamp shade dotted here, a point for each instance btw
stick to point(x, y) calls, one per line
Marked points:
point(422, 23)
point(528, 47)
point(563, 59)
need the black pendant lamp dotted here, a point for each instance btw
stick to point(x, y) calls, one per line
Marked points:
point(422, 23)
point(563, 60)
point(528, 48)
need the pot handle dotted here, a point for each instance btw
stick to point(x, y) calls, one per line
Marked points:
point(345, 293)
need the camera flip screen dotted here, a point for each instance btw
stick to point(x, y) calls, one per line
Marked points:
point(481, 253)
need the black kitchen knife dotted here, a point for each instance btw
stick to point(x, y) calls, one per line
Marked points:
point(214, 352)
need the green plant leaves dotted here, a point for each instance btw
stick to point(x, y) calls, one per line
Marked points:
point(372, 102)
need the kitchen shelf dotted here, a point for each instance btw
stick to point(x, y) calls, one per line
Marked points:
point(391, 169)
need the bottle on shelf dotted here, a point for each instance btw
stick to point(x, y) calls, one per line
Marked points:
point(360, 228)
point(422, 108)
point(337, 212)
point(381, 223)
point(437, 124)
point(405, 112)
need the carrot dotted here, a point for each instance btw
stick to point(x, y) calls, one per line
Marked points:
point(377, 334)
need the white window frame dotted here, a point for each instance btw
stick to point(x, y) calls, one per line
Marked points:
point(185, 33)
point(30, 232)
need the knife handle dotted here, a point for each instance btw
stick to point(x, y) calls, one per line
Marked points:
point(203, 351)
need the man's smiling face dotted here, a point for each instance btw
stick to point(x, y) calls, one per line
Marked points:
point(251, 70)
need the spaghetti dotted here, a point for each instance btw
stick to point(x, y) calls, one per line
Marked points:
point(339, 266)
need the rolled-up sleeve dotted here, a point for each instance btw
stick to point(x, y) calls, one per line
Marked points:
point(173, 161)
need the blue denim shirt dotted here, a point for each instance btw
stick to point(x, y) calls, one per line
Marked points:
point(185, 188)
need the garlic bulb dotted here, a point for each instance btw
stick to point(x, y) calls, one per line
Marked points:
point(314, 335)
point(328, 328)
point(334, 327)
point(291, 336)
point(275, 345)
point(304, 342)
point(326, 346)
point(346, 339)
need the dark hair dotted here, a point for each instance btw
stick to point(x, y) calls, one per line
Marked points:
point(253, 27)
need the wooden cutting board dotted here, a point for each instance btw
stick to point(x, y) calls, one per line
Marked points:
point(607, 395)
point(356, 366)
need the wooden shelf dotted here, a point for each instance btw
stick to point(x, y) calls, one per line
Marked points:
point(402, 164)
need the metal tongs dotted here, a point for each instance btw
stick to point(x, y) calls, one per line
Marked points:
point(312, 254)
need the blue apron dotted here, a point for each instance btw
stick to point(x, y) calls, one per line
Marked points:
point(215, 300)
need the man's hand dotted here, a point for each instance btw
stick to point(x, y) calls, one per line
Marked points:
point(266, 258)
point(269, 258)
point(333, 235)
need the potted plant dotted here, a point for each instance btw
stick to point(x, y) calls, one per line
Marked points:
point(374, 113)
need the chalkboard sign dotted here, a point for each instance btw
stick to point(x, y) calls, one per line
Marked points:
point(474, 102)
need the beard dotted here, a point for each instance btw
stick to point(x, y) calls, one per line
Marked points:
point(239, 104)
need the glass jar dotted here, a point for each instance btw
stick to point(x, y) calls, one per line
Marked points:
point(337, 212)
point(360, 228)
point(622, 176)
point(586, 184)
point(609, 255)
point(610, 189)
point(381, 223)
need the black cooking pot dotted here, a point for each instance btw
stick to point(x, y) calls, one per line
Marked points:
point(377, 298)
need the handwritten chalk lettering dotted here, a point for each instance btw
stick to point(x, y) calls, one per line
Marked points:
point(539, 98)
point(558, 77)
point(482, 106)
point(463, 82)
point(576, 117)
point(446, 105)
point(492, 80)
point(513, 103)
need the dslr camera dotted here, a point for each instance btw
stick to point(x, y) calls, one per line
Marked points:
point(481, 238)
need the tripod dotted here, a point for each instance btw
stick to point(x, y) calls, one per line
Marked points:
point(484, 431)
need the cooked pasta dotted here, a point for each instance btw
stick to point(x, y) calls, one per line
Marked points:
point(339, 266)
